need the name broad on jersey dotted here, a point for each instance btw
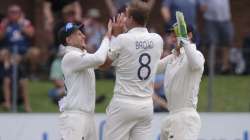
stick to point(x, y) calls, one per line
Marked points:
point(144, 44)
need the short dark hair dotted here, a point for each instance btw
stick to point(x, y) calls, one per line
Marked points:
point(139, 10)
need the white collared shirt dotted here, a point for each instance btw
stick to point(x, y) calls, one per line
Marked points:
point(135, 55)
point(182, 77)
point(79, 78)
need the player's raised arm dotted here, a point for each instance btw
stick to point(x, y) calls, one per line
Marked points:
point(195, 58)
point(118, 25)
point(78, 61)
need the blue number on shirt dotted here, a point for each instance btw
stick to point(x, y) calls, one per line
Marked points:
point(144, 65)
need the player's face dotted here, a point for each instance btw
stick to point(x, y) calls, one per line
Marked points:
point(170, 40)
point(77, 39)
point(174, 40)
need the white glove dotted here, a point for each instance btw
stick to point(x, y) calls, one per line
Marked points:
point(181, 41)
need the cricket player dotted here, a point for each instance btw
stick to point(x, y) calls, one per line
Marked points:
point(134, 55)
point(183, 71)
point(77, 107)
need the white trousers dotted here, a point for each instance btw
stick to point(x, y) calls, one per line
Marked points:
point(77, 125)
point(183, 124)
point(129, 120)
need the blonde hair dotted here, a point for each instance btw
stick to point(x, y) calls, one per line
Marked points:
point(139, 10)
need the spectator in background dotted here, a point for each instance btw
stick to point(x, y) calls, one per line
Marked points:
point(58, 5)
point(189, 9)
point(1, 41)
point(94, 30)
point(246, 52)
point(3, 102)
point(48, 16)
point(33, 62)
point(56, 76)
point(22, 86)
point(115, 5)
point(69, 14)
point(219, 27)
point(119, 6)
point(16, 30)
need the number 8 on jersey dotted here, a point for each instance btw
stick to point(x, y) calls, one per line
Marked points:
point(144, 70)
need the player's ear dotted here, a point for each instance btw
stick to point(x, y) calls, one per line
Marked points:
point(190, 35)
point(67, 40)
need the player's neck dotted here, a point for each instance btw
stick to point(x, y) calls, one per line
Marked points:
point(78, 47)
point(178, 51)
point(136, 26)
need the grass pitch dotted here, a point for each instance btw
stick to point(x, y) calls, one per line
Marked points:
point(231, 94)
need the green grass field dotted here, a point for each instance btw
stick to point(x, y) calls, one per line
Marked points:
point(231, 94)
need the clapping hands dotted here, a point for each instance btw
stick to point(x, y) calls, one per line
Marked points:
point(116, 25)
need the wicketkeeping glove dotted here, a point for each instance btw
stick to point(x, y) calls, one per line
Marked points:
point(181, 28)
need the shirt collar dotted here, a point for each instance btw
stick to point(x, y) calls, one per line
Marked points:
point(70, 48)
point(138, 29)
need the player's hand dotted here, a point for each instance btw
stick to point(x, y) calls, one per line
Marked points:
point(118, 24)
point(182, 41)
point(109, 32)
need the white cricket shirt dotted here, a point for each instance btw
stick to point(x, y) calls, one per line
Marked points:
point(78, 69)
point(135, 55)
point(182, 77)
